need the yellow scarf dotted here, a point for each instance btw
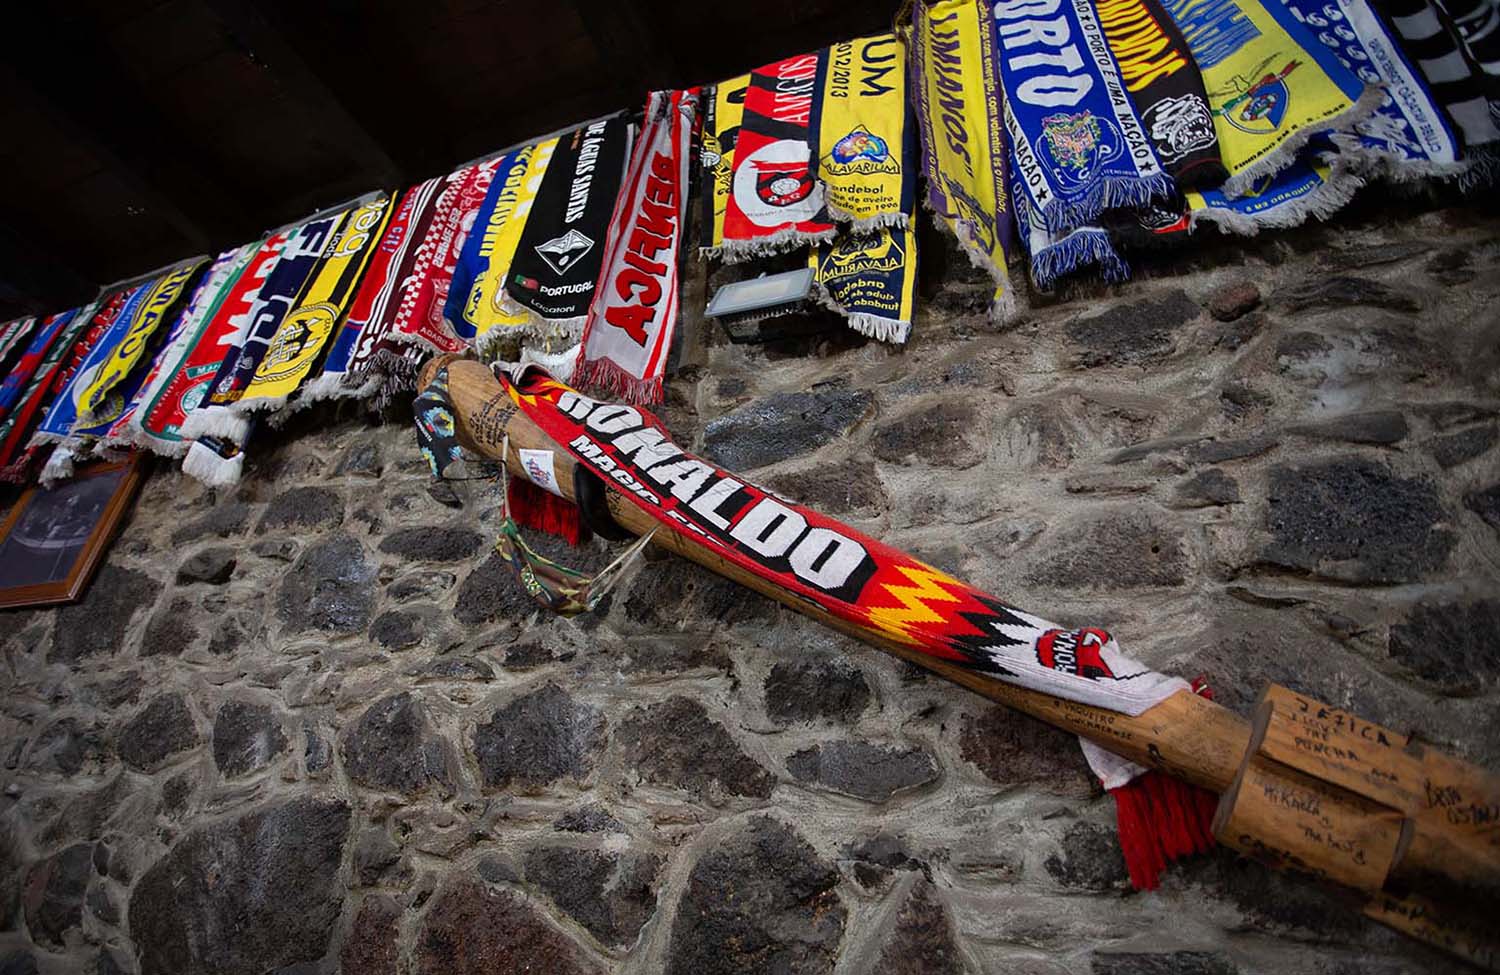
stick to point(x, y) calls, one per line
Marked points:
point(127, 354)
point(718, 151)
point(870, 279)
point(959, 115)
point(1271, 84)
point(491, 310)
point(298, 344)
point(862, 134)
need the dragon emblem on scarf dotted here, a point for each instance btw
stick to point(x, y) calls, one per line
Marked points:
point(1077, 146)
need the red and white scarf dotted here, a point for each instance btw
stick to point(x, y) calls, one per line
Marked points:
point(633, 317)
point(419, 318)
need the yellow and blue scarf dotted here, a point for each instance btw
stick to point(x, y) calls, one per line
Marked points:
point(1271, 84)
point(870, 279)
point(128, 343)
point(867, 153)
point(962, 130)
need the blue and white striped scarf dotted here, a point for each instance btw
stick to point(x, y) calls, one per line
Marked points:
point(1408, 137)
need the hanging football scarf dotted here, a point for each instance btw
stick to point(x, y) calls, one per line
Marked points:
point(181, 390)
point(1052, 257)
point(1078, 145)
point(724, 109)
point(20, 375)
point(16, 428)
point(1270, 84)
point(776, 201)
point(299, 260)
point(1455, 83)
point(352, 365)
point(1165, 89)
point(13, 336)
point(1478, 24)
point(63, 415)
point(866, 161)
point(303, 334)
point(130, 340)
point(419, 316)
point(478, 308)
point(1307, 188)
point(633, 318)
point(188, 332)
point(561, 249)
point(961, 126)
point(1408, 136)
point(870, 279)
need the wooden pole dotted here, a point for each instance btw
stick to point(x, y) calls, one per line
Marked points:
point(1186, 735)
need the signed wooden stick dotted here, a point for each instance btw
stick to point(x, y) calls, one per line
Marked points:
point(1306, 786)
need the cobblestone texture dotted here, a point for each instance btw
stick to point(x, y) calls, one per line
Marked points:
point(309, 722)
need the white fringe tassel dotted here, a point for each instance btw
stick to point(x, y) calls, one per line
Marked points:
point(1241, 183)
point(736, 251)
point(215, 421)
point(891, 330)
point(207, 466)
point(559, 365)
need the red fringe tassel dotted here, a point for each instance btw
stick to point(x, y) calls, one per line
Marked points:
point(1162, 819)
point(532, 507)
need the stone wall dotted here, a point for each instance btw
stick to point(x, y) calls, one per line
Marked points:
point(311, 724)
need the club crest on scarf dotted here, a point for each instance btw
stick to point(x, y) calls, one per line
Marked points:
point(775, 184)
point(304, 330)
point(1259, 106)
point(1077, 652)
point(563, 252)
point(1077, 146)
point(1180, 126)
point(869, 253)
point(863, 152)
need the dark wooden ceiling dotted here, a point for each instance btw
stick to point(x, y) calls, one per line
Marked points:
point(140, 131)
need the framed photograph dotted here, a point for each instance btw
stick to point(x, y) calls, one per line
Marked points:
point(54, 539)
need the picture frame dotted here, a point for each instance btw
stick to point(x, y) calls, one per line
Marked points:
point(53, 539)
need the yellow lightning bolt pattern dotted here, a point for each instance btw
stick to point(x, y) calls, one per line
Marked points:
point(929, 586)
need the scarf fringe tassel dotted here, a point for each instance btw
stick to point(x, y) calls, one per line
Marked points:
point(877, 327)
point(1110, 194)
point(1075, 252)
point(605, 374)
point(561, 366)
point(215, 421)
point(532, 507)
point(737, 251)
point(1161, 819)
point(1241, 183)
point(1321, 204)
point(205, 464)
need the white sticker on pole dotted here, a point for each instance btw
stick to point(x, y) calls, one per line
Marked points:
point(539, 468)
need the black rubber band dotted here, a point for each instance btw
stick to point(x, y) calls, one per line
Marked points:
point(592, 497)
